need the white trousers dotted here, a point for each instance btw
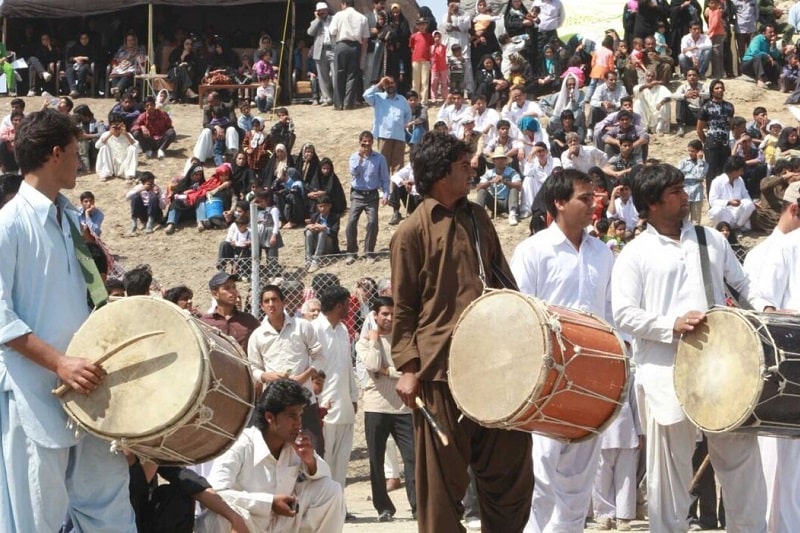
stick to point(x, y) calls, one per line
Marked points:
point(107, 166)
point(736, 462)
point(338, 445)
point(738, 217)
point(391, 466)
point(325, 75)
point(204, 147)
point(614, 492)
point(564, 474)
point(321, 510)
point(780, 459)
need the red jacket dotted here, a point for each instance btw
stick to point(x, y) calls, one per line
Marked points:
point(420, 44)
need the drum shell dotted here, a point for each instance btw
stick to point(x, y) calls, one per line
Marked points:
point(739, 372)
point(569, 394)
point(162, 397)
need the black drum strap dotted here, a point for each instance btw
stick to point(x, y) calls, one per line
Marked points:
point(497, 272)
point(705, 265)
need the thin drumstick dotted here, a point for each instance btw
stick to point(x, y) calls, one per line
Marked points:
point(429, 417)
point(109, 353)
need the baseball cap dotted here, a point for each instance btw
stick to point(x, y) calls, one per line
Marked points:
point(321, 5)
point(792, 192)
point(221, 278)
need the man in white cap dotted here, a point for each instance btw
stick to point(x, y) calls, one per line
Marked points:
point(322, 52)
point(499, 188)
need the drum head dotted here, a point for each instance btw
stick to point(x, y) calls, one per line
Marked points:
point(718, 371)
point(496, 355)
point(150, 385)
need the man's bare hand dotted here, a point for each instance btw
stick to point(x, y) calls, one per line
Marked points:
point(81, 374)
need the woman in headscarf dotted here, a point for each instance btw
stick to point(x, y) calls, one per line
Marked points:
point(275, 167)
point(307, 163)
point(532, 133)
point(218, 187)
point(788, 144)
point(126, 63)
point(326, 183)
point(489, 82)
point(571, 97)
point(385, 36)
point(177, 207)
point(241, 175)
point(182, 71)
point(518, 22)
point(400, 55)
point(483, 39)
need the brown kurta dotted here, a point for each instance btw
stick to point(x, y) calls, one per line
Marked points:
point(768, 211)
point(435, 277)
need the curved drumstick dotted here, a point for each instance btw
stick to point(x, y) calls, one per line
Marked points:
point(429, 417)
point(109, 353)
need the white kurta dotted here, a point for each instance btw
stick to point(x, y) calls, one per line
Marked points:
point(587, 157)
point(663, 281)
point(720, 193)
point(549, 267)
point(248, 477)
point(626, 212)
point(645, 103)
point(535, 175)
point(116, 156)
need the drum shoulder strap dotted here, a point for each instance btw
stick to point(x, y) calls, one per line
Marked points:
point(705, 265)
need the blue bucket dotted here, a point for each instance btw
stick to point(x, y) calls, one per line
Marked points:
point(214, 209)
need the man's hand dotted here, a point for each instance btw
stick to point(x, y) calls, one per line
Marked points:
point(372, 335)
point(81, 374)
point(304, 448)
point(408, 388)
point(688, 321)
point(734, 203)
point(283, 505)
point(384, 202)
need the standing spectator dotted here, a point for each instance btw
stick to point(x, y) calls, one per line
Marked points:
point(761, 59)
point(551, 17)
point(648, 14)
point(384, 411)
point(718, 33)
point(713, 130)
point(455, 28)
point(117, 151)
point(694, 170)
point(89, 215)
point(326, 183)
point(420, 43)
point(340, 387)
point(80, 57)
point(147, 203)
point(746, 16)
point(439, 71)
point(153, 129)
point(370, 176)
point(377, 19)
point(351, 31)
point(226, 315)
point(322, 52)
point(287, 347)
point(392, 114)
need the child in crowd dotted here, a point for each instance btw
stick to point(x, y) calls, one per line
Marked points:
point(510, 45)
point(420, 43)
point(84, 118)
point(162, 100)
point(321, 233)
point(265, 96)
point(602, 62)
point(694, 169)
point(244, 74)
point(147, 203)
point(727, 231)
point(263, 67)
point(269, 223)
point(439, 81)
point(117, 151)
point(456, 66)
point(770, 142)
point(790, 74)
point(282, 131)
point(716, 32)
point(636, 58)
point(90, 217)
point(245, 120)
point(614, 491)
point(617, 235)
point(621, 58)
point(219, 122)
point(661, 39)
point(236, 245)
point(255, 146)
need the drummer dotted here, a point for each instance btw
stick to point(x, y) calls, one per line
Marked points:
point(436, 274)
point(773, 267)
point(663, 296)
point(49, 471)
point(547, 266)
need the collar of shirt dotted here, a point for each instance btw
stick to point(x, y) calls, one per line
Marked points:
point(261, 452)
point(288, 324)
point(556, 237)
point(42, 205)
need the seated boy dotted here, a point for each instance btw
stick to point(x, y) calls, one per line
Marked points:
point(322, 233)
point(147, 203)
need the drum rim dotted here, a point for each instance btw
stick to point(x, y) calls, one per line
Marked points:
point(190, 407)
point(741, 315)
point(540, 309)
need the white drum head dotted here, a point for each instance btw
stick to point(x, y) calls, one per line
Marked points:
point(496, 356)
point(151, 384)
point(718, 371)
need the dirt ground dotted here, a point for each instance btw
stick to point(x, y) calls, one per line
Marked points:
point(188, 257)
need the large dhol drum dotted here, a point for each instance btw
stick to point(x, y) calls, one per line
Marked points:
point(181, 397)
point(518, 363)
point(740, 371)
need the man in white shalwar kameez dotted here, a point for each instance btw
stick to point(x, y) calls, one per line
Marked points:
point(728, 198)
point(117, 152)
point(271, 475)
point(565, 266)
point(663, 296)
point(651, 101)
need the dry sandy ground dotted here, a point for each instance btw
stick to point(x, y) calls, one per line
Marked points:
point(188, 256)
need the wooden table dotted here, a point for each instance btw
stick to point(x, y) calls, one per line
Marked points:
point(245, 90)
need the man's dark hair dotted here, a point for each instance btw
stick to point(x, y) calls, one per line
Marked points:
point(734, 162)
point(609, 73)
point(244, 205)
point(567, 113)
point(146, 175)
point(758, 110)
point(272, 288)
point(381, 301)
point(18, 102)
point(692, 69)
point(38, 134)
point(137, 280)
point(9, 186)
point(624, 114)
point(331, 296)
point(696, 144)
point(503, 123)
point(173, 294)
point(115, 118)
point(150, 100)
point(561, 186)
point(477, 97)
point(650, 184)
point(434, 157)
point(781, 166)
point(278, 396)
point(412, 94)
point(366, 134)
point(737, 122)
point(87, 195)
point(626, 99)
point(114, 284)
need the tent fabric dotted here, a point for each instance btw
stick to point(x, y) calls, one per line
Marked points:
point(80, 8)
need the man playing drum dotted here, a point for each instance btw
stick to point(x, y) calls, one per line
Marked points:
point(437, 271)
point(663, 296)
point(48, 471)
point(564, 265)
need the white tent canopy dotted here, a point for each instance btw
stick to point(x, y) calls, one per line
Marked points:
point(81, 8)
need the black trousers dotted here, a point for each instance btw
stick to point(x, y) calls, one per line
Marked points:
point(347, 57)
point(142, 212)
point(378, 427)
point(715, 154)
point(706, 492)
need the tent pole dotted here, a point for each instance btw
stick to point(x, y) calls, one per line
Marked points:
point(5, 30)
point(292, 66)
point(150, 52)
point(280, 59)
